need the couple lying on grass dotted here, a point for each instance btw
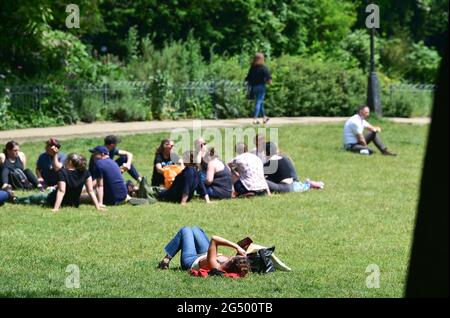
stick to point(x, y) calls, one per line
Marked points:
point(246, 173)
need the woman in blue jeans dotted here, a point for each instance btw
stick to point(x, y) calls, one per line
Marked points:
point(257, 78)
point(198, 252)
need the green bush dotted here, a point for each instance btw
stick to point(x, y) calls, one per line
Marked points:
point(91, 109)
point(58, 106)
point(407, 102)
point(399, 104)
point(304, 87)
point(128, 109)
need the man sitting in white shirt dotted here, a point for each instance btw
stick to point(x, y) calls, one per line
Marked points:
point(355, 141)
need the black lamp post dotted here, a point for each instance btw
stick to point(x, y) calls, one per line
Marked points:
point(373, 93)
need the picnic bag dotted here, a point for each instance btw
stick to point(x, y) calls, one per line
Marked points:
point(260, 261)
point(19, 180)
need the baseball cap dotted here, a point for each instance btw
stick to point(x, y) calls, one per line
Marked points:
point(53, 142)
point(100, 149)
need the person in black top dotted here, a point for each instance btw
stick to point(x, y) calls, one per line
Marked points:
point(281, 175)
point(277, 170)
point(13, 169)
point(257, 78)
point(186, 183)
point(71, 179)
point(218, 179)
point(164, 156)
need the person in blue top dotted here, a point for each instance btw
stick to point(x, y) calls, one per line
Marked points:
point(125, 158)
point(185, 183)
point(49, 163)
point(111, 188)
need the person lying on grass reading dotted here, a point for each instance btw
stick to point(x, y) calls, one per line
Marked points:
point(279, 175)
point(70, 181)
point(185, 183)
point(198, 252)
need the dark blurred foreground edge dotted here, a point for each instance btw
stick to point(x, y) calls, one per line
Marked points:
point(428, 269)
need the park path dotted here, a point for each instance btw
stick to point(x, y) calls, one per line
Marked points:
point(100, 129)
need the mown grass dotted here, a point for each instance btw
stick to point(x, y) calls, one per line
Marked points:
point(365, 215)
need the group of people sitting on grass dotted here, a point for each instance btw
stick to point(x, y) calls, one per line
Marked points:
point(68, 180)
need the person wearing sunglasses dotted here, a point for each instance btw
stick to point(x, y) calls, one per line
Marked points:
point(164, 157)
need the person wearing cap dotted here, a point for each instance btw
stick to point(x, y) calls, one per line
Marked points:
point(49, 163)
point(111, 188)
point(125, 157)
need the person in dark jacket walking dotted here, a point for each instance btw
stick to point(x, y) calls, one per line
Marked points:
point(257, 78)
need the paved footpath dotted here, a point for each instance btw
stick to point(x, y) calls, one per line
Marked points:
point(103, 128)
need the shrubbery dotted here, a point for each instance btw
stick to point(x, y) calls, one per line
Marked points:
point(177, 82)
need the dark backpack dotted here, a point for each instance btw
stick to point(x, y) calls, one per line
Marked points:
point(19, 180)
point(260, 261)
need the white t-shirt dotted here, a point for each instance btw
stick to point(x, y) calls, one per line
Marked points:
point(353, 126)
point(196, 264)
point(251, 171)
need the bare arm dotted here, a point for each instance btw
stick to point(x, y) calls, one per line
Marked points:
point(57, 165)
point(129, 156)
point(159, 168)
point(215, 242)
point(90, 191)
point(24, 159)
point(59, 195)
point(100, 191)
point(210, 174)
point(361, 139)
point(181, 163)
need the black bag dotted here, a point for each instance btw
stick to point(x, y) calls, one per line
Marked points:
point(260, 261)
point(19, 180)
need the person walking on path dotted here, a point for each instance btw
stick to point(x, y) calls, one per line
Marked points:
point(257, 78)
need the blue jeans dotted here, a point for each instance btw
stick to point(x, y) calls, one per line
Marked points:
point(191, 241)
point(260, 93)
point(3, 197)
point(133, 172)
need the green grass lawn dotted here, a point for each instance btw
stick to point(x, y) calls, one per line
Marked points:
point(365, 215)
